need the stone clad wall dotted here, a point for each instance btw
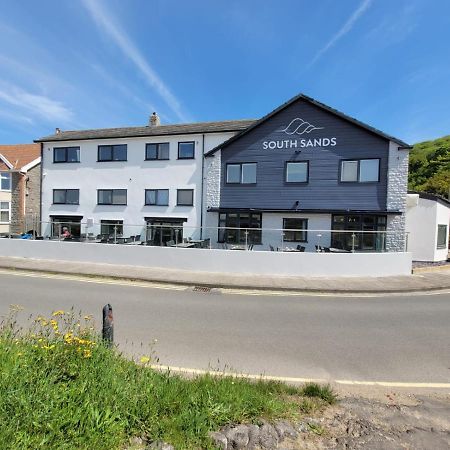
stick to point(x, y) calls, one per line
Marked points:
point(25, 200)
point(397, 190)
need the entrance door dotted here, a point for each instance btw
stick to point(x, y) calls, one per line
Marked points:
point(160, 233)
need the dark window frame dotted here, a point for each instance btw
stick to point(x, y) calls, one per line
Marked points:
point(65, 197)
point(156, 197)
point(441, 245)
point(99, 147)
point(112, 197)
point(240, 164)
point(114, 223)
point(303, 161)
point(358, 160)
point(66, 149)
point(185, 190)
point(193, 152)
point(295, 231)
point(157, 151)
point(222, 232)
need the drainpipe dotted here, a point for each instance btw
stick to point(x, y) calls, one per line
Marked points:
point(203, 182)
point(39, 231)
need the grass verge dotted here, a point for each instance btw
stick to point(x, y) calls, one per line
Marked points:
point(60, 388)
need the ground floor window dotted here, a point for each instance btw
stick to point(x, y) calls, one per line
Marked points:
point(295, 230)
point(347, 232)
point(111, 227)
point(441, 236)
point(66, 226)
point(240, 228)
point(163, 232)
point(5, 212)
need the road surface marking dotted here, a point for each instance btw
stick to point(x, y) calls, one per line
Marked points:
point(103, 279)
point(297, 379)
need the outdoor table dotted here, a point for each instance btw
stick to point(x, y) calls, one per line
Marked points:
point(338, 250)
point(184, 245)
point(238, 247)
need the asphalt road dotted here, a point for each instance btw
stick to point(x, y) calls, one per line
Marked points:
point(388, 338)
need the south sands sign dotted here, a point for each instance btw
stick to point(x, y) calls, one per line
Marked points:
point(299, 127)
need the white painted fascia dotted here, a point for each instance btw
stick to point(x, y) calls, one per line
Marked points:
point(5, 160)
point(30, 165)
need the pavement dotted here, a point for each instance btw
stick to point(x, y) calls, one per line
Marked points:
point(433, 279)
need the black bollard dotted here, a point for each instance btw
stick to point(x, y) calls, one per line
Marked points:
point(108, 326)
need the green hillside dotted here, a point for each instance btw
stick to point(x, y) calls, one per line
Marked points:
point(429, 166)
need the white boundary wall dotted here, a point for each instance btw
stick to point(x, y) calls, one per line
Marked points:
point(216, 261)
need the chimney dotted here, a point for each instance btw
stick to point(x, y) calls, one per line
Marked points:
point(154, 120)
point(57, 130)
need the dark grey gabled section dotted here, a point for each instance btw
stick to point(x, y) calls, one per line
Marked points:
point(304, 120)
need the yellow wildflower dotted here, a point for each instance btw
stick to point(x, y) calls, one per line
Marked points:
point(87, 353)
point(58, 313)
point(144, 359)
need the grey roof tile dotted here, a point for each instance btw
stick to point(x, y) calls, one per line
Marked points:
point(160, 130)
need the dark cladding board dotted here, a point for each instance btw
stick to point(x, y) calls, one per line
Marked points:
point(323, 191)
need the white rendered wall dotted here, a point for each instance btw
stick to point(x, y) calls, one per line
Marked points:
point(135, 175)
point(315, 222)
point(442, 218)
point(422, 220)
point(216, 261)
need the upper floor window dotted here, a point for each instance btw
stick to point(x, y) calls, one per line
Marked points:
point(4, 212)
point(360, 171)
point(5, 181)
point(158, 197)
point(243, 173)
point(157, 151)
point(185, 197)
point(66, 196)
point(297, 172)
point(112, 152)
point(66, 154)
point(295, 230)
point(186, 150)
point(111, 196)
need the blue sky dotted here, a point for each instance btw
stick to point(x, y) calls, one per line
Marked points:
point(78, 64)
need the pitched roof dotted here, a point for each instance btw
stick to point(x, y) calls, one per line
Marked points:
point(318, 104)
point(433, 197)
point(20, 155)
point(160, 130)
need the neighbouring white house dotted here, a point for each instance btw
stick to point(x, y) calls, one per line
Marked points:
point(427, 225)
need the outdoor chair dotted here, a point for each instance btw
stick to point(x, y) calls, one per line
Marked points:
point(301, 248)
point(272, 249)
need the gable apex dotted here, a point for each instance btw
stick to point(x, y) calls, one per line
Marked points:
point(321, 106)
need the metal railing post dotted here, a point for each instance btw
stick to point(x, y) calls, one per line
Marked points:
point(353, 242)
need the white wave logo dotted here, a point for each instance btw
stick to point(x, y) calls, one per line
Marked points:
point(300, 126)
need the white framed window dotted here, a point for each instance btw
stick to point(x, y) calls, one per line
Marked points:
point(5, 212)
point(441, 237)
point(297, 172)
point(241, 173)
point(360, 171)
point(5, 181)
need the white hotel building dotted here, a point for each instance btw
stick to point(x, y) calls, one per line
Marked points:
point(133, 177)
point(304, 167)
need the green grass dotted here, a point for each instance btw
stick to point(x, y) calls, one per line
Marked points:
point(315, 390)
point(60, 388)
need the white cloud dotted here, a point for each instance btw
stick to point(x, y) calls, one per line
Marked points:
point(346, 28)
point(109, 25)
point(38, 106)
